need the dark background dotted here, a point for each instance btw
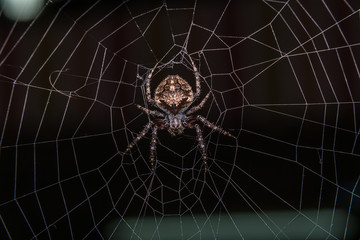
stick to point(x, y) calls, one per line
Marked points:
point(284, 79)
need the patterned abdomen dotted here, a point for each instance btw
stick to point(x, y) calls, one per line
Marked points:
point(173, 94)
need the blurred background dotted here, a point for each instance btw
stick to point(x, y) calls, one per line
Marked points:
point(284, 79)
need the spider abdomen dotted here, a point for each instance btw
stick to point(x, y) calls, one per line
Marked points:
point(174, 94)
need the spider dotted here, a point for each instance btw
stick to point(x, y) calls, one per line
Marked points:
point(173, 96)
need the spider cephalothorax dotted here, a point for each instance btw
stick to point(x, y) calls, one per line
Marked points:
point(173, 96)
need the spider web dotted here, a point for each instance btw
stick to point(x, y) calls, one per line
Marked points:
point(283, 78)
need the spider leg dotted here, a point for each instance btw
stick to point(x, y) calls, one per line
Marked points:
point(199, 106)
point(139, 137)
point(200, 140)
point(147, 86)
point(197, 77)
point(213, 126)
point(150, 112)
point(153, 147)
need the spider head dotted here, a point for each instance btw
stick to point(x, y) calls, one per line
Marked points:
point(175, 123)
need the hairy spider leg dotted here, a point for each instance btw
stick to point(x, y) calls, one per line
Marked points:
point(153, 147)
point(201, 143)
point(199, 106)
point(150, 112)
point(156, 124)
point(147, 85)
point(213, 126)
point(139, 137)
point(197, 77)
